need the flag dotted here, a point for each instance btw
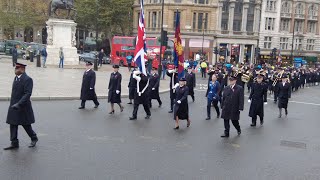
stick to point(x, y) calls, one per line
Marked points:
point(178, 49)
point(141, 49)
point(279, 57)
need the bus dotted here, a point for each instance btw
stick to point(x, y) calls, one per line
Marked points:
point(123, 46)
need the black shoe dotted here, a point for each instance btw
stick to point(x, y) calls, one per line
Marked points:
point(121, 109)
point(253, 125)
point(81, 107)
point(33, 143)
point(147, 117)
point(218, 116)
point(133, 118)
point(261, 122)
point(208, 118)
point(129, 103)
point(224, 135)
point(176, 127)
point(112, 112)
point(279, 116)
point(160, 105)
point(11, 147)
point(239, 132)
point(170, 111)
point(286, 111)
point(96, 106)
point(193, 99)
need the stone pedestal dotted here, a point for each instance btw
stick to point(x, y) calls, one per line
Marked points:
point(61, 33)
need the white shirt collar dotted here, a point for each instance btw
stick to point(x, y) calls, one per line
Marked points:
point(88, 70)
point(19, 76)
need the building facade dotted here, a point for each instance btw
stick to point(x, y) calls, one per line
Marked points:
point(292, 27)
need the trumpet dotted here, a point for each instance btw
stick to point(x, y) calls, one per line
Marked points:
point(277, 78)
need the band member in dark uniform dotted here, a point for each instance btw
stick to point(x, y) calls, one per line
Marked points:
point(303, 78)
point(232, 104)
point(154, 87)
point(20, 110)
point(284, 93)
point(174, 83)
point(142, 95)
point(132, 86)
point(191, 82)
point(114, 95)
point(275, 87)
point(87, 88)
point(258, 97)
point(213, 95)
point(181, 107)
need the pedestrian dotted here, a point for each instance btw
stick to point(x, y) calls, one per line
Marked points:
point(213, 96)
point(20, 110)
point(14, 56)
point(141, 95)
point(203, 66)
point(164, 67)
point(61, 56)
point(154, 87)
point(284, 93)
point(174, 83)
point(232, 104)
point(114, 95)
point(88, 87)
point(132, 86)
point(129, 61)
point(191, 82)
point(257, 98)
point(181, 107)
point(44, 55)
point(100, 57)
point(149, 64)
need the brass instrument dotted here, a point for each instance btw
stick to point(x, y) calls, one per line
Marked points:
point(238, 71)
point(245, 78)
point(277, 78)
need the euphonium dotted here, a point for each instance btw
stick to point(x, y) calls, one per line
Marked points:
point(245, 78)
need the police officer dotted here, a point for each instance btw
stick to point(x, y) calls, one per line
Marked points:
point(20, 110)
point(258, 97)
point(154, 87)
point(87, 87)
point(191, 82)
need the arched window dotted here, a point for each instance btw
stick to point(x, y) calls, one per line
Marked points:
point(286, 7)
point(299, 8)
point(313, 10)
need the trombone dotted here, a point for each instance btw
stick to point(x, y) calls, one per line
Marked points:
point(277, 78)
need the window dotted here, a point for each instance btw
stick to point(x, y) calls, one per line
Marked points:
point(159, 19)
point(177, 1)
point(194, 21)
point(267, 42)
point(225, 7)
point(200, 21)
point(269, 24)
point(271, 5)
point(154, 20)
point(286, 7)
point(310, 44)
point(298, 44)
point(284, 42)
point(175, 17)
point(299, 26)
point(312, 26)
point(149, 17)
point(284, 25)
point(299, 9)
point(138, 18)
point(313, 10)
point(201, 1)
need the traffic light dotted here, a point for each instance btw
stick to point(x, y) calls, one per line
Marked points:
point(164, 38)
point(215, 50)
point(257, 51)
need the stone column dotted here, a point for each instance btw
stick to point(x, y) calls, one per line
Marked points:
point(244, 17)
point(219, 17)
point(241, 55)
point(228, 58)
point(231, 16)
point(252, 54)
point(257, 18)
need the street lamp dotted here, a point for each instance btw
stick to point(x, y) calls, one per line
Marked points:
point(95, 67)
point(294, 25)
point(161, 40)
point(203, 22)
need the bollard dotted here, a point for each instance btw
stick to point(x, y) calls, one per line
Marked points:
point(31, 56)
point(38, 60)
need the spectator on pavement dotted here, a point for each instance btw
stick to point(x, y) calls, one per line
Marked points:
point(129, 61)
point(14, 56)
point(164, 67)
point(203, 66)
point(100, 57)
point(44, 55)
point(61, 56)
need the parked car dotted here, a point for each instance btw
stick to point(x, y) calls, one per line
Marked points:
point(91, 56)
point(33, 47)
point(2, 47)
point(21, 47)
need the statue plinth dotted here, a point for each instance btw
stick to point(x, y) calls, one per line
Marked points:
point(61, 33)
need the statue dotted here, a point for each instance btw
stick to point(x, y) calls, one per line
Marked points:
point(62, 4)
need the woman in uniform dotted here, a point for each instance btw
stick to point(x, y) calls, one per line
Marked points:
point(213, 96)
point(114, 95)
point(181, 108)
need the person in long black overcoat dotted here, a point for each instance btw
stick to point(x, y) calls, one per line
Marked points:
point(284, 93)
point(141, 95)
point(132, 86)
point(174, 83)
point(258, 97)
point(88, 87)
point(232, 104)
point(191, 82)
point(14, 56)
point(114, 95)
point(20, 111)
point(181, 107)
point(303, 78)
point(154, 87)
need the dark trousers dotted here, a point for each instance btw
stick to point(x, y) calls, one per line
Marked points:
point(14, 133)
point(215, 105)
point(145, 106)
point(171, 104)
point(14, 61)
point(158, 99)
point(203, 72)
point(254, 119)
point(227, 126)
point(83, 102)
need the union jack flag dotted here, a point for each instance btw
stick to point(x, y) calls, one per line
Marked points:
point(141, 49)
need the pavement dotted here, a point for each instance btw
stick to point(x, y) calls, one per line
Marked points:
point(52, 83)
point(90, 144)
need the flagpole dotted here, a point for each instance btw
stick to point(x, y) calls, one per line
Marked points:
point(161, 40)
point(294, 24)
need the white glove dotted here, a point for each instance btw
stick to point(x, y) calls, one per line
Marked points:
point(175, 86)
point(117, 91)
point(136, 72)
point(265, 103)
point(179, 102)
point(170, 71)
point(153, 89)
point(249, 101)
point(91, 88)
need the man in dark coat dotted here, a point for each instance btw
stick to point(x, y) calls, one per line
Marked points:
point(100, 57)
point(20, 110)
point(174, 83)
point(141, 96)
point(154, 87)
point(232, 104)
point(191, 82)
point(181, 107)
point(14, 56)
point(258, 97)
point(132, 86)
point(284, 93)
point(87, 87)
